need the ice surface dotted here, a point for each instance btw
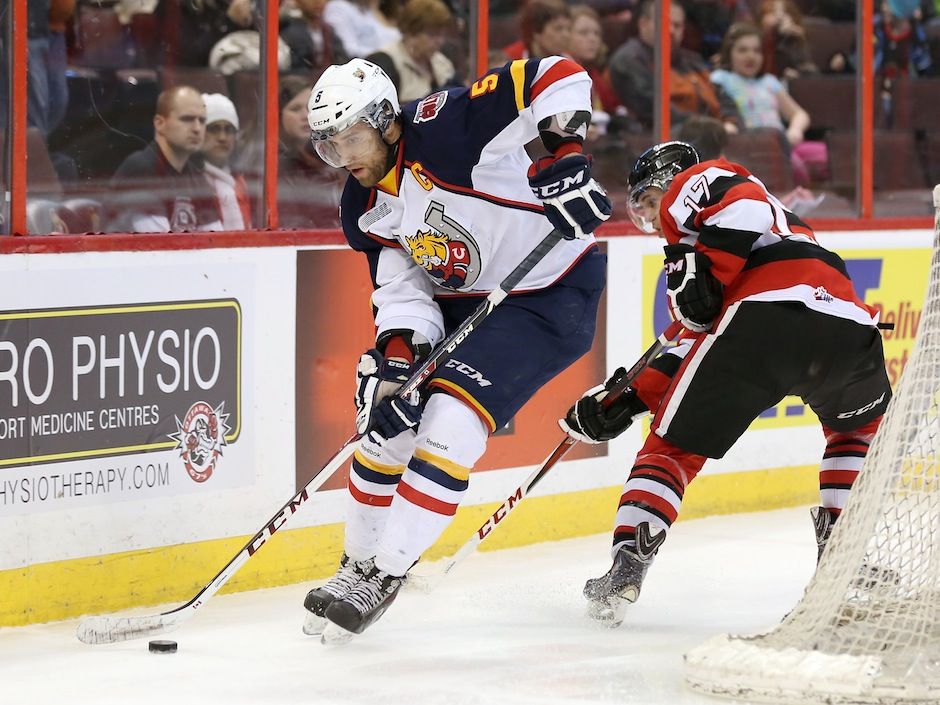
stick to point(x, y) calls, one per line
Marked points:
point(505, 628)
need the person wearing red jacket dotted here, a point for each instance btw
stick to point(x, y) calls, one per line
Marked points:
point(768, 313)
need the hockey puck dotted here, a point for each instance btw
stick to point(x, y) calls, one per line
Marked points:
point(162, 646)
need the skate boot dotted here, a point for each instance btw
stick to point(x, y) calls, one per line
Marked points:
point(361, 606)
point(609, 595)
point(869, 576)
point(823, 523)
point(350, 572)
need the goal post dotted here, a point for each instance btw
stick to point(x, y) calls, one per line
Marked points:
point(867, 629)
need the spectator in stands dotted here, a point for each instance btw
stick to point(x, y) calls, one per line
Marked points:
point(588, 49)
point(706, 134)
point(193, 27)
point(709, 138)
point(415, 62)
point(786, 51)
point(308, 189)
point(763, 101)
point(360, 25)
point(313, 42)
point(546, 30)
point(60, 12)
point(46, 92)
point(706, 24)
point(230, 187)
point(901, 45)
point(633, 76)
point(162, 188)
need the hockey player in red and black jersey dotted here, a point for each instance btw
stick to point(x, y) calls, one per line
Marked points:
point(444, 203)
point(767, 313)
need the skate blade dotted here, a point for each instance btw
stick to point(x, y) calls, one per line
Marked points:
point(421, 582)
point(313, 625)
point(335, 635)
point(612, 611)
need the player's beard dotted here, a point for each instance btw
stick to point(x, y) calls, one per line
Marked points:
point(374, 169)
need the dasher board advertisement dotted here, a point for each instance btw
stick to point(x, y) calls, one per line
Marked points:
point(130, 389)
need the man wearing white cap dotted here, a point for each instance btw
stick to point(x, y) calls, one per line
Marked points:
point(217, 149)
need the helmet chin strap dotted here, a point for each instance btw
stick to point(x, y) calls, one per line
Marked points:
point(392, 151)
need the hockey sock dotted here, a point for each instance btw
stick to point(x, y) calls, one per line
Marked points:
point(842, 460)
point(373, 478)
point(450, 440)
point(653, 492)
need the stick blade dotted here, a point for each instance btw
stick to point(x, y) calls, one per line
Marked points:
point(108, 630)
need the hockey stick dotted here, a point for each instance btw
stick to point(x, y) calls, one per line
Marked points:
point(108, 629)
point(429, 581)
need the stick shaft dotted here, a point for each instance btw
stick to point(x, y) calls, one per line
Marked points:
point(102, 630)
point(554, 457)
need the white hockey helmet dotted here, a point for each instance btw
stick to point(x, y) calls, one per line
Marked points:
point(346, 94)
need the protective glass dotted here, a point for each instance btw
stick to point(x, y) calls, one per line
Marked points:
point(348, 146)
point(642, 207)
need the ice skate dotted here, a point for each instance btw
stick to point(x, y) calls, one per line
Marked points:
point(319, 599)
point(610, 595)
point(364, 604)
point(869, 576)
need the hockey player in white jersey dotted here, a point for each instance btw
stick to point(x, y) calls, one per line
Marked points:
point(444, 202)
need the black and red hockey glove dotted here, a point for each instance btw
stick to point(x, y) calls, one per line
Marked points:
point(695, 295)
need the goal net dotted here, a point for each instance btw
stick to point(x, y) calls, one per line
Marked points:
point(868, 627)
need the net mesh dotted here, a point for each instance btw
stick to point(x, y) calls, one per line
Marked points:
point(868, 627)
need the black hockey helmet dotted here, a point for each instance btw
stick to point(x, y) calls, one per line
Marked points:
point(657, 167)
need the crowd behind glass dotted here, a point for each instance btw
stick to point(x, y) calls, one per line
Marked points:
point(145, 116)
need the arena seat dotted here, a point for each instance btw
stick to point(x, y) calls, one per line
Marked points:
point(897, 165)
point(829, 100)
point(101, 41)
point(826, 38)
point(763, 153)
point(204, 80)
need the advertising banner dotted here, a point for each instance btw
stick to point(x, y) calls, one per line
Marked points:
point(132, 390)
point(892, 280)
point(335, 326)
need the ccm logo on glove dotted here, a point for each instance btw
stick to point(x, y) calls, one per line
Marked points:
point(566, 183)
point(573, 201)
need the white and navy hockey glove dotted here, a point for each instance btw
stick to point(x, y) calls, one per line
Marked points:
point(574, 202)
point(695, 295)
point(392, 416)
point(377, 379)
point(590, 420)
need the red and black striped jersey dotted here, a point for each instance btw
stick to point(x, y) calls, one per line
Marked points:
point(759, 250)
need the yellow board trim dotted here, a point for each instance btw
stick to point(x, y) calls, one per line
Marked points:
point(173, 574)
point(517, 71)
point(378, 467)
point(456, 471)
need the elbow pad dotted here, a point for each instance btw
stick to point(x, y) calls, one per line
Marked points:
point(567, 128)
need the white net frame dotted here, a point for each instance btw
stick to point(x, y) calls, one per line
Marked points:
point(868, 627)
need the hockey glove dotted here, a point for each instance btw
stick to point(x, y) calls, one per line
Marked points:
point(392, 416)
point(590, 420)
point(574, 202)
point(377, 378)
point(695, 296)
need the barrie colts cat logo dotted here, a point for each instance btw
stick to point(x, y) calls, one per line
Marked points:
point(200, 437)
point(446, 251)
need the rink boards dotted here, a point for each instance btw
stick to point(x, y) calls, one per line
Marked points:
point(157, 407)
